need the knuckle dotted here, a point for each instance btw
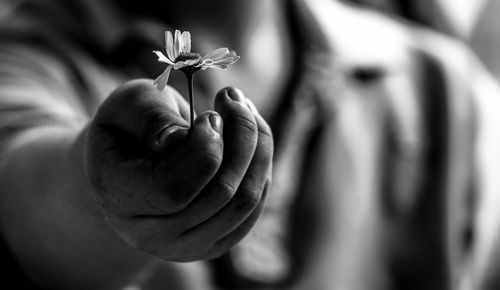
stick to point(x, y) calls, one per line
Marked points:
point(247, 199)
point(246, 123)
point(226, 189)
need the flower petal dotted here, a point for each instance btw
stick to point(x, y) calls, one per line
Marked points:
point(179, 65)
point(218, 66)
point(223, 60)
point(228, 60)
point(185, 42)
point(169, 45)
point(162, 57)
point(161, 81)
point(218, 53)
point(177, 44)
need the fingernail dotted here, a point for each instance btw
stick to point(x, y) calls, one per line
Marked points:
point(167, 131)
point(215, 122)
point(236, 95)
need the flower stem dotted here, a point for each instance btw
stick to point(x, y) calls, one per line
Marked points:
point(190, 77)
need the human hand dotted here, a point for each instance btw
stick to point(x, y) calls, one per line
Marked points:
point(178, 193)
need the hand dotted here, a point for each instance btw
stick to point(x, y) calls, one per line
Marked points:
point(181, 194)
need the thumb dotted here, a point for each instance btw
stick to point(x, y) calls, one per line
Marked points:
point(144, 114)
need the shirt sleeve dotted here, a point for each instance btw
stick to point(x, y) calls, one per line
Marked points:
point(35, 90)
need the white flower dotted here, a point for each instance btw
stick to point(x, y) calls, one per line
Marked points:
point(180, 57)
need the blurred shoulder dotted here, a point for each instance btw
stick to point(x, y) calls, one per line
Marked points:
point(431, 62)
point(367, 37)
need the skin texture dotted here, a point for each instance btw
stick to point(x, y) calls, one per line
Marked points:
point(89, 208)
point(88, 205)
point(178, 193)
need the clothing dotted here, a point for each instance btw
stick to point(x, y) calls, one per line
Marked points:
point(376, 137)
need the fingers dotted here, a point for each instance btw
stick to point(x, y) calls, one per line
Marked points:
point(229, 221)
point(184, 173)
point(216, 219)
point(130, 182)
point(249, 193)
point(243, 229)
point(141, 187)
point(141, 112)
point(241, 153)
point(200, 189)
point(218, 237)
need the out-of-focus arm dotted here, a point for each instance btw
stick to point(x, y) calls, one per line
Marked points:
point(47, 212)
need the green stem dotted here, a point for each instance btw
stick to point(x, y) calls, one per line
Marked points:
point(189, 77)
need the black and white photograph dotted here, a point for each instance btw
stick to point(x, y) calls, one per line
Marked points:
point(250, 144)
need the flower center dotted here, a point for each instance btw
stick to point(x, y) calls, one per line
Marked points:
point(183, 56)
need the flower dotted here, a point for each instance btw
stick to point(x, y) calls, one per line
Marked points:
point(180, 57)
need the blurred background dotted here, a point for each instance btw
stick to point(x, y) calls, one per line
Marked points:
point(485, 35)
point(475, 23)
